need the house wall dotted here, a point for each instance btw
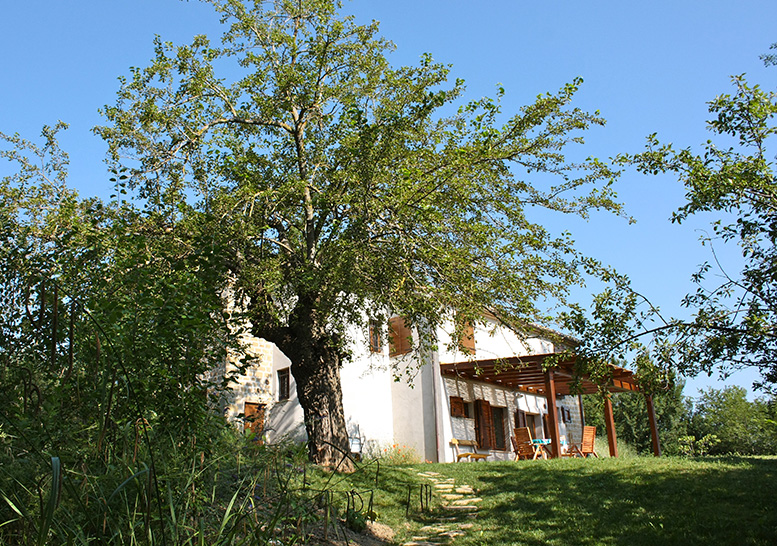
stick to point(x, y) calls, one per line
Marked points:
point(367, 400)
point(254, 385)
point(492, 340)
point(285, 419)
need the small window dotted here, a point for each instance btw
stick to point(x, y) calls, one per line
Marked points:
point(458, 407)
point(400, 337)
point(376, 343)
point(283, 384)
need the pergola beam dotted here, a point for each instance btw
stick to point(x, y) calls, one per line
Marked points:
point(550, 396)
point(609, 423)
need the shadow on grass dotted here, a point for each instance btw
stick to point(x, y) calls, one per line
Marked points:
point(641, 501)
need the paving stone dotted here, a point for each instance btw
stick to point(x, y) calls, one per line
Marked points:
point(463, 508)
point(465, 501)
point(452, 496)
point(433, 529)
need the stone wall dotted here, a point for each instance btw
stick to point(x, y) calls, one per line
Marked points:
point(255, 385)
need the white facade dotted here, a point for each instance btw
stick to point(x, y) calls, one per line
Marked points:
point(405, 400)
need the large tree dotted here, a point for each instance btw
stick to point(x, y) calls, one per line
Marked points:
point(342, 187)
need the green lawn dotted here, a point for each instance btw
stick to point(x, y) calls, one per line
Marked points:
point(630, 501)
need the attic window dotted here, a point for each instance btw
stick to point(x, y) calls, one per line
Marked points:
point(466, 331)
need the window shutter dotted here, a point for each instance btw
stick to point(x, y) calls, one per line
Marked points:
point(457, 407)
point(484, 425)
point(400, 337)
point(467, 337)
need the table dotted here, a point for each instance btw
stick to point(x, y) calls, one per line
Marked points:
point(546, 447)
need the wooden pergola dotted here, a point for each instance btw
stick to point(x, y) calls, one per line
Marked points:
point(526, 374)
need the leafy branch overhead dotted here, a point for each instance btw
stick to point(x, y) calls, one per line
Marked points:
point(735, 317)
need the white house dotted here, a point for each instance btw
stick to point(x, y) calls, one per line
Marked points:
point(424, 399)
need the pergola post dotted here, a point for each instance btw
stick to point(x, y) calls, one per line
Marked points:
point(609, 423)
point(653, 426)
point(550, 397)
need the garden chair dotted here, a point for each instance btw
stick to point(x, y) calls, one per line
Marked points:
point(523, 445)
point(472, 455)
point(586, 446)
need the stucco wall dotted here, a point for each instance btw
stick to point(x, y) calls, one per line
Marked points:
point(491, 341)
point(285, 419)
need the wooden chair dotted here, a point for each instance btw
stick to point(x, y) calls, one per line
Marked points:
point(459, 456)
point(586, 446)
point(471, 455)
point(523, 446)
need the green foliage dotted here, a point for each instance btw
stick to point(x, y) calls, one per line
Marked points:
point(739, 425)
point(111, 321)
point(340, 186)
point(690, 446)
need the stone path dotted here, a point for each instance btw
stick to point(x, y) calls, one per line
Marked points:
point(460, 507)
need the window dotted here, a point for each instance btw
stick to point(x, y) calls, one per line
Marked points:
point(498, 423)
point(376, 344)
point(458, 407)
point(283, 384)
point(400, 337)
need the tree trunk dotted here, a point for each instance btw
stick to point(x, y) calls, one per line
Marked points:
point(315, 364)
point(321, 397)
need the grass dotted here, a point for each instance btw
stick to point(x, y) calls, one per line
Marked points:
point(630, 501)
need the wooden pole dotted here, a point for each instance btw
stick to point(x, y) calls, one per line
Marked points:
point(609, 423)
point(550, 396)
point(653, 425)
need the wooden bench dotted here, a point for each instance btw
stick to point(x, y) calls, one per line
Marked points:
point(471, 455)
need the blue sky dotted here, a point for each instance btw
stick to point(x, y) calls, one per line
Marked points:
point(648, 67)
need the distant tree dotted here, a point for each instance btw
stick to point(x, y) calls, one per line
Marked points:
point(344, 188)
point(743, 427)
point(770, 58)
